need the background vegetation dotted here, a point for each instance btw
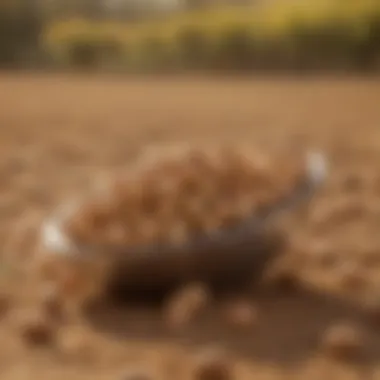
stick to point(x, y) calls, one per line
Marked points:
point(308, 35)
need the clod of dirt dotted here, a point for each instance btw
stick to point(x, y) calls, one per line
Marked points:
point(186, 305)
point(343, 341)
point(241, 313)
point(212, 364)
point(36, 329)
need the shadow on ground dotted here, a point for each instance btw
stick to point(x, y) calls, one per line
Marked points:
point(288, 330)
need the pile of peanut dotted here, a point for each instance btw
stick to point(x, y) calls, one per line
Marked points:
point(174, 197)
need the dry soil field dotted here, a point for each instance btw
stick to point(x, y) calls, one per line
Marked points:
point(57, 132)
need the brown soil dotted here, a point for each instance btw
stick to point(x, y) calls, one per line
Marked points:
point(58, 133)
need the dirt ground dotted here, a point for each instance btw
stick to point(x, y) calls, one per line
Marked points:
point(58, 132)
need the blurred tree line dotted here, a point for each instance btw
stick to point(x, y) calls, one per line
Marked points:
point(21, 24)
point(22, 21)
point(322, 34)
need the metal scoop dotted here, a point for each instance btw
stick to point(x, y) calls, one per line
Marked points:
point(224, 256)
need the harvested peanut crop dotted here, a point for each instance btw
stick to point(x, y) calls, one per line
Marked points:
point(173, 197)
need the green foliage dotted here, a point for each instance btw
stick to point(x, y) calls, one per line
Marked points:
point(151, 54)
point(92, 53)
point(309, 35)
point(20, 29)
point(235, 49)
point(193, 48)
